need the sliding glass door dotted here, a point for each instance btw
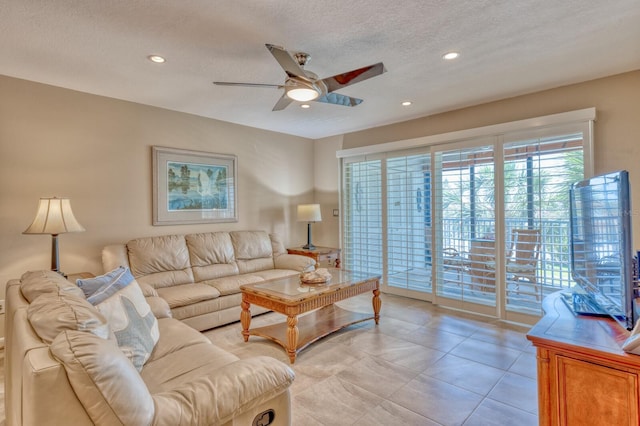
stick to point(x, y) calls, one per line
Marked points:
point(362, 215)
point(479, 224)
point(408, 219)
point(465, 209)
point(538, 172)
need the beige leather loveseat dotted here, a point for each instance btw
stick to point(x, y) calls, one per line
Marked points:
point(62, 369)
point(199, 275)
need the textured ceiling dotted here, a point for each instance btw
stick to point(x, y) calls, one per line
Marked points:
point(507, 47)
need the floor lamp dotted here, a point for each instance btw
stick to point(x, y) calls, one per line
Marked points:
point(309, 213)
point(54, 217)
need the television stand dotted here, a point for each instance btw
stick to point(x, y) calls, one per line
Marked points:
point(584, 376)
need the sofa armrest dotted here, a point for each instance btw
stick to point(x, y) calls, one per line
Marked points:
point(114, 256)
point(159, 306)
point(295, 262)
point(233, 389)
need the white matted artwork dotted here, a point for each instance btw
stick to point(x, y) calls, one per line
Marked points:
point(193, 187)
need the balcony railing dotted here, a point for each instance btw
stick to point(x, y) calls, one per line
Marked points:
point(554, 260)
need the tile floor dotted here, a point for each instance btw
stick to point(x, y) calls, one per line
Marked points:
point(422, 365)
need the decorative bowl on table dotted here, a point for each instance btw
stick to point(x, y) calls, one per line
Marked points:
point(319, 276)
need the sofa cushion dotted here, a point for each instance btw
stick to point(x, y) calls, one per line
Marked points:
point(106, 383)
point(294, 262)
point(231, 285)
point(174, 336)
point(251, 244)
point(277, 245)
point(182, 354)
point(210, 248)
point(271, 274)
point(208, 308)
point(50, 314)
point(186, 294)
point(35, 283)
point(164, 261)
point(130, 318)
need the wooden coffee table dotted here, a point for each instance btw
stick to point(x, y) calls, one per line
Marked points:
point(292, 298)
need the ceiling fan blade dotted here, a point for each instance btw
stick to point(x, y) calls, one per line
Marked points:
point(338, 99)
point(282, 103)
point(228, 83)
point(352, 77)
point(286, 61)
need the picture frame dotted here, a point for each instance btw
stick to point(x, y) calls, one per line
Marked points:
point(191, 187)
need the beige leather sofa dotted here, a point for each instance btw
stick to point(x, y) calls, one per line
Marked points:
point(199, 275)
point(59, 372)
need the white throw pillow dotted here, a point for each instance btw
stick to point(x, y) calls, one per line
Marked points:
point(121, 301)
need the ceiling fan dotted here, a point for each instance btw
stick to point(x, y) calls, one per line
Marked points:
point(302, 85)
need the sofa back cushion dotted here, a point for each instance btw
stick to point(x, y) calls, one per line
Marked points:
point(253, 251)
point(110, 389)
point(160, 261)
point(50, 314)
point(211, 255)
point(36, 283)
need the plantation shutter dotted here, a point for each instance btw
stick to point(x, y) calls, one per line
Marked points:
point(408, 193)
point(362, 216)
point(538, 173)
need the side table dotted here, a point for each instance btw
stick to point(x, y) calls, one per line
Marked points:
point(329, 255)
point(79, 275)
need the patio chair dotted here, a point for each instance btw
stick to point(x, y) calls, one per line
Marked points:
point(482, 265)
point(453, 260)
point(522, 262)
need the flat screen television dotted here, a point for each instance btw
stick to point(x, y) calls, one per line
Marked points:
point(602, 259)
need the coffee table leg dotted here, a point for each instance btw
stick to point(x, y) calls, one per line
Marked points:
point(245, 319)
point(292, 337)
point(377, 303)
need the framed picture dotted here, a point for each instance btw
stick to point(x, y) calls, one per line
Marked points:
point(193, 187)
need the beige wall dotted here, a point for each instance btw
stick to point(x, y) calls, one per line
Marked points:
point(326, 182)
point(97, 152)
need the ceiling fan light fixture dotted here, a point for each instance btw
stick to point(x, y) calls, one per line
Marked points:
point(302, 94)
point(301, 90)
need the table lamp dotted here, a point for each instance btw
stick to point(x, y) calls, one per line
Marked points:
point(309, 213)
point(54, 217)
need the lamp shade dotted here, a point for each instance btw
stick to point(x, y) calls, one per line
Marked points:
point(54, 217)
point(309, 213)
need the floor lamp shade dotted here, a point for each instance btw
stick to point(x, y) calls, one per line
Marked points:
point(309, 213)
point(54, 217)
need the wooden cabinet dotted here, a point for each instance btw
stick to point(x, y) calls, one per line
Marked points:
point(324, 256)
point(584, 377)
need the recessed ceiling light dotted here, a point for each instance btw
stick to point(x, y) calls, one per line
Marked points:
point(156, 58)
point(450, 55)
point(305, 106)
point(406, 103)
